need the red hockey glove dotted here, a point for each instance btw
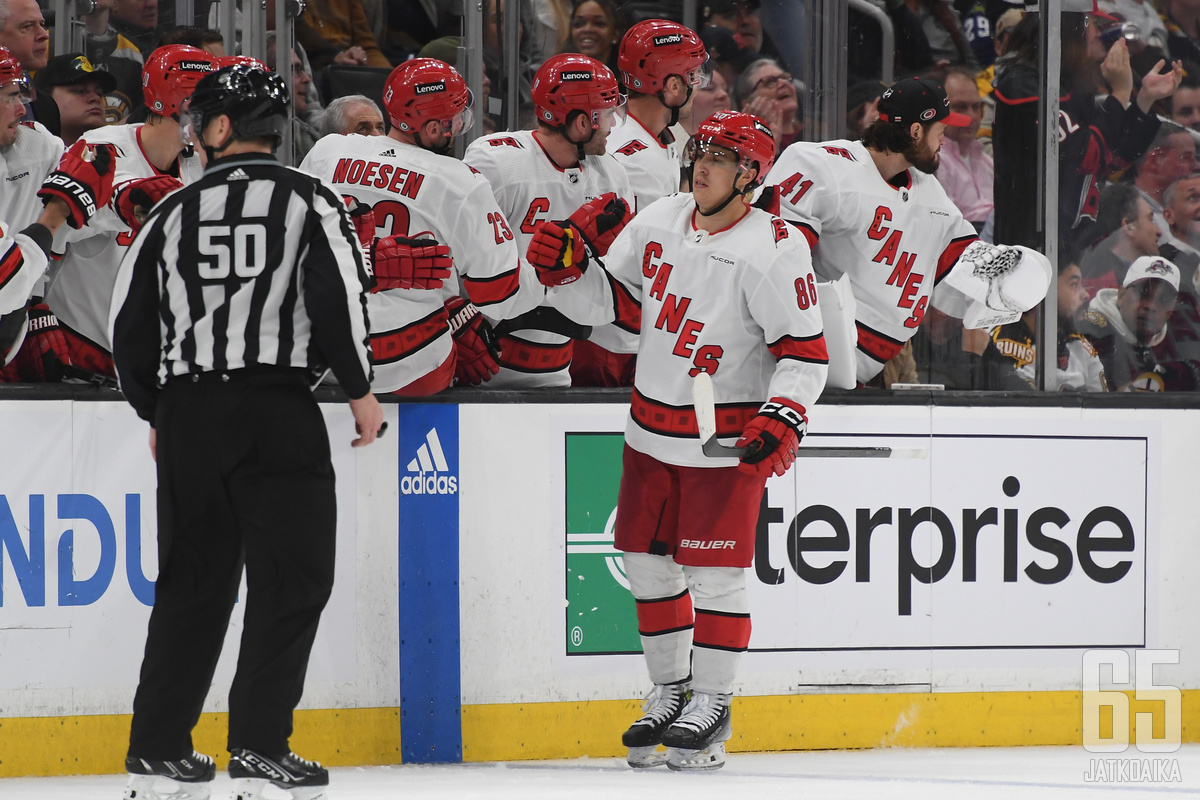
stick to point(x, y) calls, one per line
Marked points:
point(774, 437)
point(600, 219)
point(136, 198)
point(475, 345)
point(83, 180)
point(558, 254)
point(362, 217)
point(44, 351)
point(404, 263)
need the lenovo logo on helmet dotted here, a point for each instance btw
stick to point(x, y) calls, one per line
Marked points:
point(761, 127)
point(576, 76)
point(430, 88)
point(195, 66)
point(671, 38)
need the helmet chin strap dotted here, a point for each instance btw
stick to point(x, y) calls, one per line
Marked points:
point(444, 149)
point(580, 152)
point(675, 109)
point(213, 153)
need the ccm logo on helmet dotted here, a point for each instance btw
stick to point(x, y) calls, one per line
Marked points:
point(670, 38)
point(576, 76)
point(763, 128)
point(697, 544)
point(430, 88)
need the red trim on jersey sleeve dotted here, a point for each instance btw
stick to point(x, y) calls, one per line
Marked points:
point(494, 289)
point(722, 630)
point(626, 307)
point(680, 421)
point(950, 256)
point(534, 357)
point(878, 346)
point(807, 230)
point(390, 346)
point(10, 264)
point(665, 614)
point(802, 348)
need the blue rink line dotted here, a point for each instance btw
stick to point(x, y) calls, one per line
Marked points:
point(430, 675)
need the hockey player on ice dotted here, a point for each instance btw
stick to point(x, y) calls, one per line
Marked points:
point(726, 289)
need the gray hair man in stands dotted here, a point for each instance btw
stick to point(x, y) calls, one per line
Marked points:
point(354, 113)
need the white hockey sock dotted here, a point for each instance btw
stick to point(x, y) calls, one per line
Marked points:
point(722, 627)
point(664, 609)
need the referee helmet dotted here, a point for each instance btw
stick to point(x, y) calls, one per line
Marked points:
point(254, 99)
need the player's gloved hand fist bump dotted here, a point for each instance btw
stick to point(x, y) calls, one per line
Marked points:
point(83, 181)
point(404, 263)
point(476, 347)
point(600, 219)
point(558, 254)
point(774, 437)
point(136, 198)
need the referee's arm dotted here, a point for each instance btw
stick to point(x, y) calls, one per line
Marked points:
point(334, 280)
point(136, 332)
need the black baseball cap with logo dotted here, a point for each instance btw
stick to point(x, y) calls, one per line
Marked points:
point(72, 68)
point(921, 100)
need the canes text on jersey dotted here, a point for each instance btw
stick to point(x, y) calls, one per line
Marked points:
point(673, 315)
point(901, 262)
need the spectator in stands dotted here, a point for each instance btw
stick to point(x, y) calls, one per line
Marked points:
point(966, 171)
point(1010, 361)
point(445, 49)
point(765, 90)
point(596, 30)
point(1129, 326)
point(1170, 156)
point(353, 113)
point(550, 32)
point(862, 107)
point(1181, 209)
point(113, 53)
point(23, 32)
point(1185, 103)
point(741, 17)
point(137, 21)
point(943, 30)
point(706, 101)
point(207, 39)
point(1098, 138)
point(78, 90)
point(1151, 29)
point(728, 56)
point(1182, 20)
point(304, 133)
point(1127, 221)
point(338, 32)
point(1000, 39)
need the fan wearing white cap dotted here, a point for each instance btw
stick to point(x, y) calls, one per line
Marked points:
point(873, 211)
point(1129, 326)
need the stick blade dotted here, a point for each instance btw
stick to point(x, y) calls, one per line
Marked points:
point(705, 405)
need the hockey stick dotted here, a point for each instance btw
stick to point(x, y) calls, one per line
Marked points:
point(706, 422)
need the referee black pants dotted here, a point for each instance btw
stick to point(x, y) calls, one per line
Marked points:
point(244, 477)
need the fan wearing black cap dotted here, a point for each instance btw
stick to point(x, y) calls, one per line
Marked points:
point(873, 210)
point(78, 90)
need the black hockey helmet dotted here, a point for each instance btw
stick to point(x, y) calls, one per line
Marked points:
point(255, 100)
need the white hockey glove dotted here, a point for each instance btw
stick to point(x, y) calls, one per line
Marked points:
point(1001, 281)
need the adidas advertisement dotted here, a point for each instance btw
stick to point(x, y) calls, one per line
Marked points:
point(1018, 550)
point(428, 472)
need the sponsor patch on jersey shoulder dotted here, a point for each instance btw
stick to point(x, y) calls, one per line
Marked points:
point(722, 259)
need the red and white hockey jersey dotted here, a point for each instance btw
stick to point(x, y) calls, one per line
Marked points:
point(414, 192)
point(653, 166)
point(740, 304)
point(895, 240)
point(24, 165)
point(532, 189)
point(81, 284)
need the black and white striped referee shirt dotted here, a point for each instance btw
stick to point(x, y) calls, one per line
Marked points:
point(254, 264)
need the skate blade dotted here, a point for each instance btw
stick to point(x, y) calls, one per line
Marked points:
point(711, 757)
point(255, 788)
point(142, 787)
point(646, 757)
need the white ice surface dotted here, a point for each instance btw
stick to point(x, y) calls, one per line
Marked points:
point(1026, 773)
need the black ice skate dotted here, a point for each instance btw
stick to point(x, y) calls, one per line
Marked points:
point(252, 771)
point(187, 778)
point(662, 706)
point(697, 739)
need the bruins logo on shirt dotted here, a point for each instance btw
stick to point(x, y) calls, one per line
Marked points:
point(116, 108)
point(1096, 318)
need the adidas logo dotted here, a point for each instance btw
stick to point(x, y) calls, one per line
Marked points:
point(388, 153)
point(430, 461)
point(238, 174)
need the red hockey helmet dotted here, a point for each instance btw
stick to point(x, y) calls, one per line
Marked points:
point(10, 71)
point(170, 75)
point(246, 61)
point(425, 89)
point(744, 134)
point(655, 49)
point(573, 82)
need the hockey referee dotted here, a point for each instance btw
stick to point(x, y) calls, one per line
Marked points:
point(239, 289)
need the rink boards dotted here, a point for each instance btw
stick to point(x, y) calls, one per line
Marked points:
point(480, 612)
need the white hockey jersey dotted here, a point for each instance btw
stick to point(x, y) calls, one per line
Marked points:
point(532, 189)
point(81, 286)
point(895, 240)
point(414, 192)
point(24, 165)
point(739, 303)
